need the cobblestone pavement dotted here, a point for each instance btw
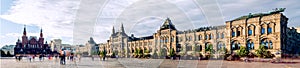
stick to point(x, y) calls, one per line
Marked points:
point(143, 63)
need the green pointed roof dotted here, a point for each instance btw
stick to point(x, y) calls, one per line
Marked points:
point(167, 25)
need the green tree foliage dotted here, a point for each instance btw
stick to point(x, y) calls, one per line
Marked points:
point(147, 51)
point(223, 50)
point(2, 53)
point(263, 52)
point(209, 49)
point(243, 52)
point(172, 53)
point(103, 53)
point(95, 52)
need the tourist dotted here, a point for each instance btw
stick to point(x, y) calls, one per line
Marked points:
point(62, 57)
point(20, 57)
point(79, 57)
point(29, 57)
point(41, 57)
point(16, 58)
point(93, 58)
point(71, 57)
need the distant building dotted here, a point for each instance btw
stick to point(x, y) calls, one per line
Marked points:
point(56, 44)
point(32, 45)
point(82, 49)
point(250, 31)
point(91, 46)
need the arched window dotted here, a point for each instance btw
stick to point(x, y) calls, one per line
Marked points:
point(218, 34)
point(238, 33)
point(269, 30)
point(199, 37)
point(250, 45)
point(262, 30)
point(207, 45)
point(267, 44)
point(233, 34)
point(206, 37)
point(211, 36)
point(222, 35)
point(271, 45)
point(220, 46)
point(166, 40)
point(249, 32)
point(235, 46)
point(198, 48)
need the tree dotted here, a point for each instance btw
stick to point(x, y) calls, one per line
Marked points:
point(2, 53)
point(242, 52)
point(172, 53)
point(263, 52)
point(209, 49)
point(8, 54)
point(102, 53)
point(95, 52)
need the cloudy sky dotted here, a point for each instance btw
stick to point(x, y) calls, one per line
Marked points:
point(74, 21)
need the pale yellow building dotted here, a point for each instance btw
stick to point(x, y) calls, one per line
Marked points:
point(268, 29)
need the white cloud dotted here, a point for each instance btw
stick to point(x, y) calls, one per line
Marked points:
point(54, 16)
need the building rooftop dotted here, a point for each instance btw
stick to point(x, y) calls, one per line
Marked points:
point(141, 38)
point(250, 15)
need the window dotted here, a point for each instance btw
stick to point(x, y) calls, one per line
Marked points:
point(235, 46)
point(222, 35)
point(271, 45)
point(166, 40)
point(211, 36)
point(238, 33)
point(220, 46)
point(206, 37)
point(269, 30)
point(267, 44)
point(249, 32)
point(250, 45)
point(199, 37)
point(218, 35)
point(262, 30)
point(233, 33)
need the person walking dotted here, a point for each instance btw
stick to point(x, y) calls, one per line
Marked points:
point(29, 57)
point(63, 57)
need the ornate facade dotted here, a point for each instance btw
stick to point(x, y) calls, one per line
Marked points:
point(32, 45)
point(251, 31)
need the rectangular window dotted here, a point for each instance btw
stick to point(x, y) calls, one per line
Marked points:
point(238, 33)
point(218, 36)
point(262, 30)
point(222, 35)
point(249, 32)
point(233, 34)
point(269, 30)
